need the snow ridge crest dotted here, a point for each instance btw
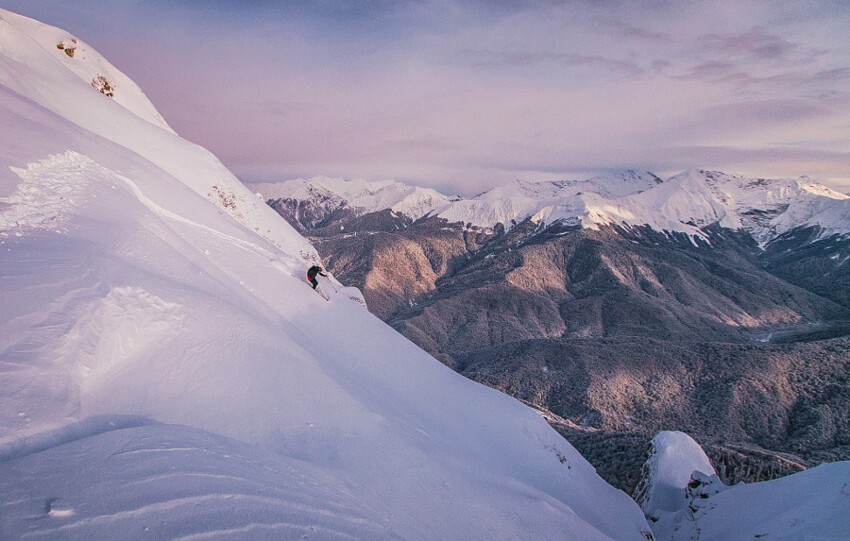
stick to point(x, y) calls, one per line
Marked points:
point(687, 203)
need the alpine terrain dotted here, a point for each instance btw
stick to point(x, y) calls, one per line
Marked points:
point(167, 372)
point(620, 305)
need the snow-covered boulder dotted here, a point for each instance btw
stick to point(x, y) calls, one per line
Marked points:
point(684, 499)
point(675, 461)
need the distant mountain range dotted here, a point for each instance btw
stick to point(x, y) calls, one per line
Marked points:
point(686, 203)
point(618, 305)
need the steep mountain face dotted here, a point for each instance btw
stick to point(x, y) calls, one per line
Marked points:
point(167, 373)
point(803, 256)
point(620, 330)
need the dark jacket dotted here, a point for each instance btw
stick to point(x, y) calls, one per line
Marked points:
point(313, 271)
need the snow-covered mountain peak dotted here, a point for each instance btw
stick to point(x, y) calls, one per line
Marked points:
point(74, 56)
point(688, 202)
point(616, 185)
point(574, 201)
point(361, 196)
point(611, 186)
point(764, 207)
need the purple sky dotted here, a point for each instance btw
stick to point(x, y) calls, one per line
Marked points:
point(462, 96)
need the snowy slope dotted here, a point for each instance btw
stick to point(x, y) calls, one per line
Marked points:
point(32, 66)
point(168, 373)
point(808, 505)
point(686, 500)
point(27, 40)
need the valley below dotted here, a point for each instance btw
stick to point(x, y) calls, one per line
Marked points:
point(617, 333)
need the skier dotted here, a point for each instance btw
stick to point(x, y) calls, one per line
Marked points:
point(311, 275)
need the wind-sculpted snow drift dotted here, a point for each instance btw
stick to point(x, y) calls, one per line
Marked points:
point(167, 372)
point(683, 496)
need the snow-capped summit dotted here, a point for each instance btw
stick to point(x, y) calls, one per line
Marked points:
point(548, 201)
point(764, 207)
point(168, 373)
point(688, 202)
point(629, 182)
point(359, 195)
point(28, 42)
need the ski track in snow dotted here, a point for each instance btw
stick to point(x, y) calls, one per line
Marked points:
point(161, 211)
point(23, 445)
point(232, 499)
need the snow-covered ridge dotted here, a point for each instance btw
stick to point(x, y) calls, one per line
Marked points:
point(764, 207)
point(674, 458)
point(33, 67)
point(73, 55)
point(569, 200)
point(359, 195)
point(687, 202)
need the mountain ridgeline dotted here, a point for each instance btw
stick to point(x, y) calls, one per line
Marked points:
point(619, 306)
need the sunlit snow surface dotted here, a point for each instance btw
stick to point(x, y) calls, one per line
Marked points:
point(167, 372)
point(174, 482)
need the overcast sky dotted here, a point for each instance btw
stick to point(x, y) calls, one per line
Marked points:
point(462, 96)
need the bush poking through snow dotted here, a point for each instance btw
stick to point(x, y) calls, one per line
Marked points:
point(103, 85)
point(227, 200)
point(69, 49)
